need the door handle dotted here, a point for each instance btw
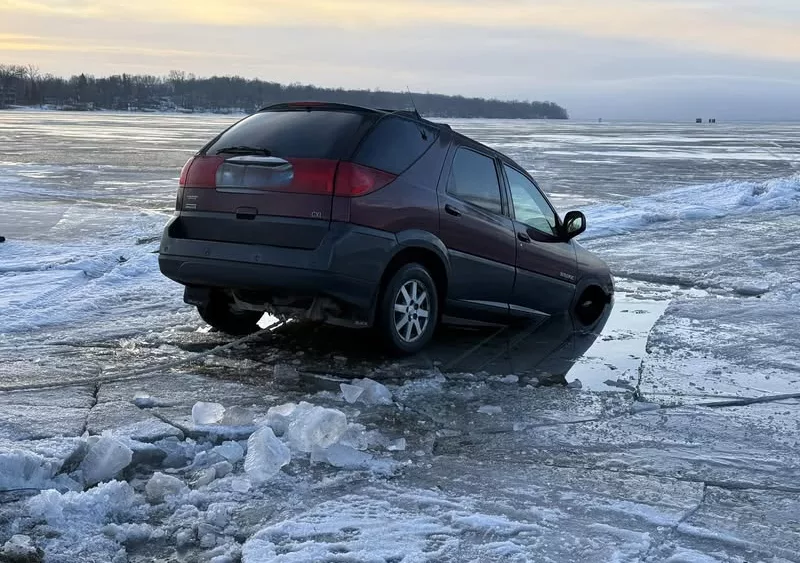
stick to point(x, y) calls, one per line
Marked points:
point(523, 237)
point(452, 210)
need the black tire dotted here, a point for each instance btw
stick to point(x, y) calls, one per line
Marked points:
point(399, 339)
point(217, 312)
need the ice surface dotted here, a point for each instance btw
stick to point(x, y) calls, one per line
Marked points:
point(160, 486)
point(317, 427)
point(351, 393)
point(105, 459)
point(207, 413)
point(266, 454)
point(657, 211)
point(375, 393)
point(490, 409)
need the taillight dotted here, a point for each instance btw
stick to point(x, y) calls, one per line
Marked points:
point(185, 172)
point(353, 180)
point(202, 172)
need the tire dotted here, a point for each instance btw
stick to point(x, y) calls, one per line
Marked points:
point(217, 312)
point(406, 332)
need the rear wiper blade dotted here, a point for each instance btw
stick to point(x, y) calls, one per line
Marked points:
point(241, 149)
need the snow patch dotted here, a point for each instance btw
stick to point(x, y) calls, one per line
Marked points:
point(693, 203)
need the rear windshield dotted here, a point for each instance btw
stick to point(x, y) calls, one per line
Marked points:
point(297, 133)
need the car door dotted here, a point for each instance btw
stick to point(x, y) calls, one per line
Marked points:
point(546, 264)
point(479, 236)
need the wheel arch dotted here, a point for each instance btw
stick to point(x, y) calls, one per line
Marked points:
point(424, 248)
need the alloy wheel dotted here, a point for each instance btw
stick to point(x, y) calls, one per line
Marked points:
point(411, 311)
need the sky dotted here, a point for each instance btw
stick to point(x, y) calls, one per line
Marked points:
point(615, 59)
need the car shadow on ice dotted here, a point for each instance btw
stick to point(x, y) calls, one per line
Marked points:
point(545, 351)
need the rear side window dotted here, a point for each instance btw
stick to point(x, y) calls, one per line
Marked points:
point(297, 133)
point(395, 144)
point(473, 178)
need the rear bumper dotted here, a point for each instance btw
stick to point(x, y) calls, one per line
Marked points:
point(347, 265)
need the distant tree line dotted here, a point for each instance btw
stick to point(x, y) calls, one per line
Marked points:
point(179, 91)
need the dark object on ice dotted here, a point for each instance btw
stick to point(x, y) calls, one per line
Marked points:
point(372, 218)
point(122, 259)
point(2, 239)
point(699, 120)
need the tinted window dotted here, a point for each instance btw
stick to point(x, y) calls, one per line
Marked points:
point(473, 178)
point(394, 144)
point(530, 206)
point(298, 134)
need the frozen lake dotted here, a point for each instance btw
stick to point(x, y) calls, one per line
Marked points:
point(701, 225)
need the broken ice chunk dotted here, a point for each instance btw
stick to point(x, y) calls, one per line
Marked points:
point(285, 373)
point(161, 486)
point(221, 469)
point(490, 409)
point(239, 485)
point(374, 393)
point(204, 477)
point(317, 427)
point(20, 548)
point(351, 392)
point(105, 458)
point(207, 413)
point(398, 445)
point(266, 454)
point(230, 450)
point(638, 407)
point(143, 401)
point(576, 384)
point(341, 456)
point(237, 416)
point(279, 417)
point(357, 436)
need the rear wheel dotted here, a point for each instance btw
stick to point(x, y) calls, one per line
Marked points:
point(408, 310)
point(218, 313)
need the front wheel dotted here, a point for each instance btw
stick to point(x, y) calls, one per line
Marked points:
point(218, 313)
point(408, 310)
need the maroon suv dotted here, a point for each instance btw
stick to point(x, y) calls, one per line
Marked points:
point(367, 217)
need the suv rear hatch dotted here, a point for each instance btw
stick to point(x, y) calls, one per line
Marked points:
point(271, 177)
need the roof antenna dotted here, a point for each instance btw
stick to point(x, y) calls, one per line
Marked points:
point(413, 105)
point(416, 112)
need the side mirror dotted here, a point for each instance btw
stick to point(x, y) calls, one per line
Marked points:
point(574, 224)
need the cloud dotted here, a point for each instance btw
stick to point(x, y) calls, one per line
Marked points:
point(704, 26)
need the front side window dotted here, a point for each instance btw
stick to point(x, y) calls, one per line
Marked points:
point(473, 178)
point(530, 206)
